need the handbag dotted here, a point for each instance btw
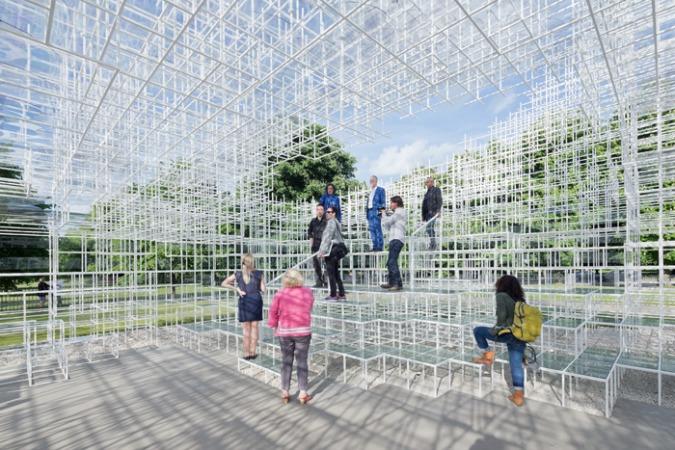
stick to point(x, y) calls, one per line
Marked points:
point(339, 251)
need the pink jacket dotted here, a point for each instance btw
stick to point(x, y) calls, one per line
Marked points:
point(291, 312)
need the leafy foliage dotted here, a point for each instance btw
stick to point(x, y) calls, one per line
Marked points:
point(321, 160)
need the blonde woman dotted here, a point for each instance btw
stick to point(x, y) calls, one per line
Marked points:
point(291, 317)
point(249, 284)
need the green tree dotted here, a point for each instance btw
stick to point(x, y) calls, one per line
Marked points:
point(321, 160)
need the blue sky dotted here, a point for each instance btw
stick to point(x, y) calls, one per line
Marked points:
point(429, 137)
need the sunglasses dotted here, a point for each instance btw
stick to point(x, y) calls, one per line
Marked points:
point(330, 212)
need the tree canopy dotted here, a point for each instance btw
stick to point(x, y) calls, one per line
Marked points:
point(321, 160)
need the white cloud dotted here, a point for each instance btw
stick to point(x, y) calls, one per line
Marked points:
point(502, 103)
point(394, 161)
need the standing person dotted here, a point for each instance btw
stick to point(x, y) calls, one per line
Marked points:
point(291, 317)
point(331, 200)
point(333, 249)
point(394, 221)
point(43, 289)
point(509, 292)
point(314, 233)
point(374, 208)
point(249, 284)
point(431, 205)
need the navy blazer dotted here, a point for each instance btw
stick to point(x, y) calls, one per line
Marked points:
point(379, 199)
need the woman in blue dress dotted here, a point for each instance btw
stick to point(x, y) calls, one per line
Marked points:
point(249, 284)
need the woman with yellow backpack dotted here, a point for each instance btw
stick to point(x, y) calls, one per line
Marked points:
point(517, 324)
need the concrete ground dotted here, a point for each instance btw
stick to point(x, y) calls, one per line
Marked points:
point(172, 398)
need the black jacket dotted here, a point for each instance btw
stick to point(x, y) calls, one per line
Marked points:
point(315, 231)
point(432, 203)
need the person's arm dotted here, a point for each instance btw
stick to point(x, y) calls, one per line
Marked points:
point(383, 197)
point(387, 221)
point(501, 311)
point(401, 217)
point(326, 238)
point(439, 201)
point(273, 319)
point(229, 283)
point(338, 212)
point(263, 286)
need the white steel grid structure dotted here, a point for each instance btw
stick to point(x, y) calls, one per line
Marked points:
point(151, 130)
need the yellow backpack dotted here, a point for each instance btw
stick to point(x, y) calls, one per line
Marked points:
point(527, 321)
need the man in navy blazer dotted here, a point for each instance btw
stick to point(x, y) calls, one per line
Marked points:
point(376, 204)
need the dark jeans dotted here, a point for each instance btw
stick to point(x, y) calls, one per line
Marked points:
point(395, 248)
point(298, 347)
point(515, 346)
point(317, 267)
point(334, 279)
point(431, 232)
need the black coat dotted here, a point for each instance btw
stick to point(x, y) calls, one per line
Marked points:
point(432, 203)
point(315, 231)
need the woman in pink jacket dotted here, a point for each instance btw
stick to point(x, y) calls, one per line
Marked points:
point(291, 317)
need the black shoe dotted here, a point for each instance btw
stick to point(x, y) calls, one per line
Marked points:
point(385, 286)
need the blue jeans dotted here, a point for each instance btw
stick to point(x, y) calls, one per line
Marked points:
point(431, 232)
point(375, 228)
point(516, 349)
point(395, 247)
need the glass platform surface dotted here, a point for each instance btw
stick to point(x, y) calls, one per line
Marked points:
point(639, 360)
point(641, 321)
point(364, 353)
point(570, 323)
point(594, 362)
point(606, 319)
point(668, 363)
point(555, 360)
point(267, 362)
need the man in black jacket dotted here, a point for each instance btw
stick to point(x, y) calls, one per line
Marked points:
point(314, 233)
point(431, 205)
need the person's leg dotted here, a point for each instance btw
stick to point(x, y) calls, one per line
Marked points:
point(317, 270)
point(287, 350)
point(482, 335)
point(394, 270)
point(301, 352)
point(378, 233)
point(246, 327)
point(253, 343)
point(431, 232)
point(516, 351)
point(338, 279)
point(390, 265)
point(372, 229)
point(330, 271)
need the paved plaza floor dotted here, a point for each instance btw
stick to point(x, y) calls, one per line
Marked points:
point(172, 398)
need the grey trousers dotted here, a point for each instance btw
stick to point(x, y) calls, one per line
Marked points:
point(298, 347)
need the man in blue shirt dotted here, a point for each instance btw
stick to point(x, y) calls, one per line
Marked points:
point(374, 208)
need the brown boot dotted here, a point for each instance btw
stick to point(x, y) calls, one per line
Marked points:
point(518, 397)
point(487, 358)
